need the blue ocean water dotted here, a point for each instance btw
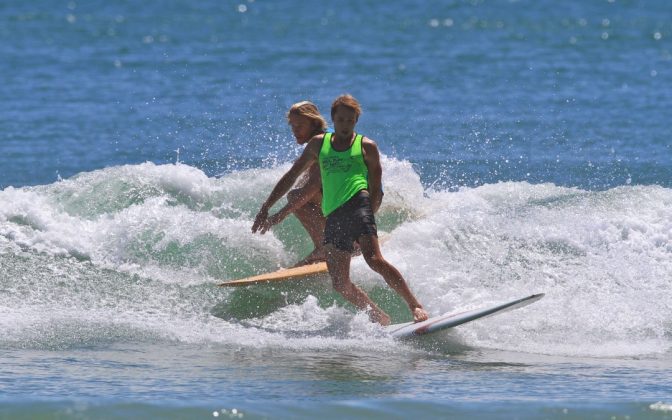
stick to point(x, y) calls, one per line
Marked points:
point(526, 149)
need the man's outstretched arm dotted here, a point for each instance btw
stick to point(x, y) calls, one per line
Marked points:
point(307, 158)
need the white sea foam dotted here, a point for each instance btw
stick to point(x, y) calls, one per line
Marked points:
point(136, 250)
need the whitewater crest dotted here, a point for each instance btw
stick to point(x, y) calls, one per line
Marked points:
point(150, 241)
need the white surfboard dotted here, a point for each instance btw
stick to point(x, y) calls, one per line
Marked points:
point(441, 322)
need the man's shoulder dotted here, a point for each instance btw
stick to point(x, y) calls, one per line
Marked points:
point(317, 138)
point(369, 143)
point(370, 151)
point(315, 142)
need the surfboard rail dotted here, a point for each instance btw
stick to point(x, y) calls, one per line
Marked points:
point(450, 320)
point(279, 275)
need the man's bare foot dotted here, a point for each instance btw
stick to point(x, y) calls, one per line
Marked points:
point(420, 315)
point(380, 317)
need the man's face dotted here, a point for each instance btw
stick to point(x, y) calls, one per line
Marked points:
point(344, 120)
point(302, 128)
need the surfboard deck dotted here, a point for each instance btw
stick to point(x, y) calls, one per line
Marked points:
point(450, 320)
point(280, 275)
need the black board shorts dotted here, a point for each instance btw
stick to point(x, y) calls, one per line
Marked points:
point(350, 221)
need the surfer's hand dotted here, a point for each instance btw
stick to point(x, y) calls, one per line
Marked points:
point(419, 315)
point(272, 221)
point(260, 221)
point(266, 225)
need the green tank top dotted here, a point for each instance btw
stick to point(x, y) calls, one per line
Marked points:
point(344, 174)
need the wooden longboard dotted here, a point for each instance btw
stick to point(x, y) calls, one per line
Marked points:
point(290, 273)
point(280, 275)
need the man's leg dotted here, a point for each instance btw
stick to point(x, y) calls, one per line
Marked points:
point(311, 218)
point(374, 258)
point(338, 263)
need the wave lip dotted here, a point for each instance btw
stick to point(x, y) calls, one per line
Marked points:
point(151, 241)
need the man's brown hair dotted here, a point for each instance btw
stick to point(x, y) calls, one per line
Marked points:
point(347, 101)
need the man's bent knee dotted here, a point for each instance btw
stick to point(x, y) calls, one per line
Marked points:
point(376, 262)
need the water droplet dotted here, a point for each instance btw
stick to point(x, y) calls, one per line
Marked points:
point(657, 36)
point(242, 8)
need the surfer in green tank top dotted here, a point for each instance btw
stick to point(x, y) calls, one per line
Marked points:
point(352, 217)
